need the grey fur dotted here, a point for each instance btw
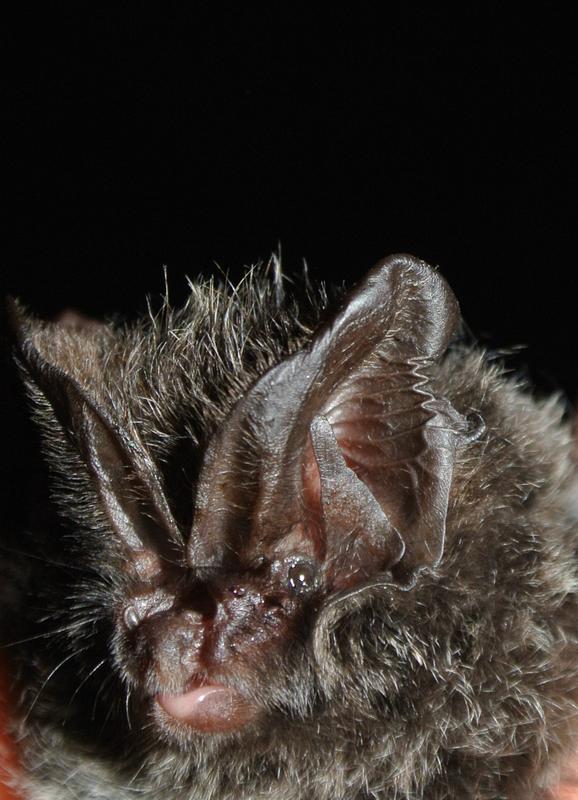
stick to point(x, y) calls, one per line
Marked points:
point(464, 686)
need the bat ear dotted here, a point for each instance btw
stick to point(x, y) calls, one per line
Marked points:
point(384, 441)
point(354, 445)
point(127, 481)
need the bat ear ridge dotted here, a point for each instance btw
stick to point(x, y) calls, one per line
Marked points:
point(127, 481)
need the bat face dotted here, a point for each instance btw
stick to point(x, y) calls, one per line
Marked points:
point(192, 642)
point(288, 541)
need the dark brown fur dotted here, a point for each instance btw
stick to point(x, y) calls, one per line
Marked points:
point(459, 683)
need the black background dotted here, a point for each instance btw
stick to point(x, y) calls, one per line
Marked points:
point(214, 134)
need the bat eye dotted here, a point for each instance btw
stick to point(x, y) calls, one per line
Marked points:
point(301, 576)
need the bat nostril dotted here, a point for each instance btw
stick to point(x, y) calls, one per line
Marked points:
point(131, 617)
point(143, 607)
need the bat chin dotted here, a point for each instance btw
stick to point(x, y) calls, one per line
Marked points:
point(209, 708)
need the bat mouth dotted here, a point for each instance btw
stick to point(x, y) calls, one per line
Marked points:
point(209, 708)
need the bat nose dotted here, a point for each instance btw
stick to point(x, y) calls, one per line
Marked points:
point(176, 644)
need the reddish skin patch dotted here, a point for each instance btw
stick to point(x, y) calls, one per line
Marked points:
point(8, 757)
point(209, 708)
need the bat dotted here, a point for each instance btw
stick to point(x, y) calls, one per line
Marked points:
point(282, 547)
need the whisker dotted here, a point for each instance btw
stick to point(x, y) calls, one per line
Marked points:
point(129, 785)
point(105, 680)
point(43, 559)
point(106, 719)
point(54, 671)
point(127, 701)
point(84, 680)
point(47, 634)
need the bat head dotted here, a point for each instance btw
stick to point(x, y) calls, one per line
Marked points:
point(331, 474)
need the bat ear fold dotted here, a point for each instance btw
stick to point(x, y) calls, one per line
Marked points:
point(128, 483)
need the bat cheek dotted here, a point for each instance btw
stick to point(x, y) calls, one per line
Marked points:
point(253, 635)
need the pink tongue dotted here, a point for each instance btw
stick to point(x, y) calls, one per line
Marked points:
point(210, 709)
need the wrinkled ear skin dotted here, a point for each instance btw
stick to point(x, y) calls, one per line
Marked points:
point(127, 481)
point(353, 451)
